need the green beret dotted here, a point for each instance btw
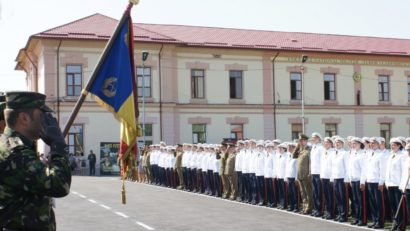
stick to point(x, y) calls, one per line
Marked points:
point(26, 100)
point(303, 137)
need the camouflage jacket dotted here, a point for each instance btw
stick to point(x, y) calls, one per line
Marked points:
point(27, 185)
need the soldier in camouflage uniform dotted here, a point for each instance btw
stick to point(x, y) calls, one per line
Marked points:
point(26, 184)
point(2, 107)
point(302, 154)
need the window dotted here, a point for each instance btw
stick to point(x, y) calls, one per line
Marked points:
point(148, 129)
point(296, 131)
point(385, 131)
point(408, 88)
point(329, 86)
point(198, 133)
point(147, 134)
point(144, 81)
point(237, 131)
point(74, 80)
point(235, 84)
point(330, 130)
point(197, 84)
point(75, 139)
point(383, 88)
point(295, 86)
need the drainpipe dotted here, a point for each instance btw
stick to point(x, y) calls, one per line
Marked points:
point(160, 92)
point(58, 81)
point(35, 71)
point(274, 94)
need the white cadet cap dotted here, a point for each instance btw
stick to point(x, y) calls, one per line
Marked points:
point(402, 139)
point(292, 144)
point(339, 139)
point(407, 147)
point(375, 139)
point(277, 141)
point(269, 145)
point(395, 140)
point(357, 139)
point(317, 135)
point(408, 140)
point(328, 139)
point(283, 145)
point(366, 139)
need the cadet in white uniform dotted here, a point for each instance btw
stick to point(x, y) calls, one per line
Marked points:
point(374, 176)
point(290, 177)
point(259, 172)
point(281, 167)
point(356, 168)
point(404, 184)
point(325, 175)
point(394, 171)
point(340, 163)
point(315, 155)
point(238, 169)
point(269, 174)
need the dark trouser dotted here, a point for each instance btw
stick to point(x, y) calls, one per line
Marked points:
point(376, 205)
point(163, 176)
point(269, 191)
point(341, 198)
point(252, 185)
point(188, 181)
point(293, 199)
point(185, 176)
point(282, 193)
point(199, 180)
point(248, 195)
point(168, 177)
point(317, 193)
point(217, 181)
point(394, 198)
point(408, 203)
point(359, 202)
point(92, 168)
point(204, 184)
point(193, 179)
point(275, 192)
point(260, 180)
point(240, 183)
point(211, 188)
point(156, 170)
point(328, 197)
point(153, 177)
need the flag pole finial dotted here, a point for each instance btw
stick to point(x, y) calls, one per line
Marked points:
point(135, 2)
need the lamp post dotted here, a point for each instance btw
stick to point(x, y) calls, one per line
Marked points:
point(144, 58)
point(302, 69)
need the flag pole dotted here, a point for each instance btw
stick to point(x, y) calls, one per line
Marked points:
point(84, 92)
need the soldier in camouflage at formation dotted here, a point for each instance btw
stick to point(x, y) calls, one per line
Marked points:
point(26, 184)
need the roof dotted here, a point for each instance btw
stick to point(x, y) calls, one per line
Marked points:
point(100, 27)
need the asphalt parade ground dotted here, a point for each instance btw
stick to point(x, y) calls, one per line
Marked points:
point(94, 203)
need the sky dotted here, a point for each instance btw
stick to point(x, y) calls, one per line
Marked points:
point(19, 19)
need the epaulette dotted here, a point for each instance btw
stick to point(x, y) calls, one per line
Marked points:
point(14, 142)
point(11, 142)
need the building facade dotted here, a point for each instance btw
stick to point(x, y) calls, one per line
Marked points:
point(205, 84)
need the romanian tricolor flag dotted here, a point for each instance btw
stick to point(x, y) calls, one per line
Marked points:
point(114, 88)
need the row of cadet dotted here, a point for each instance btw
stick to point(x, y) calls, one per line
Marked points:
point(332, 178)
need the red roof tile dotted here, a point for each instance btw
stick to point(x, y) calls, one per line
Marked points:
point(100, 27)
